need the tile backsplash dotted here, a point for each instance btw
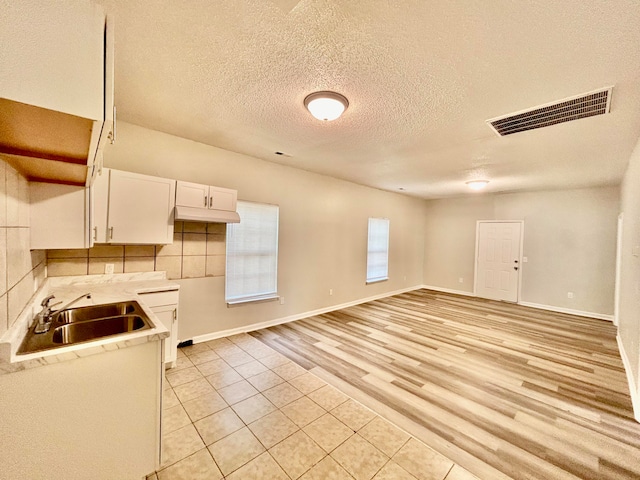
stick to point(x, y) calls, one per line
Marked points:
point(198, 250)
point(22, 271)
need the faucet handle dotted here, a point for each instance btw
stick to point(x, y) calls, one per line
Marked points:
point(45, 302)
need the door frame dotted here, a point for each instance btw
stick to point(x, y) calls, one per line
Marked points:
point(475, 260)
point(616, 299)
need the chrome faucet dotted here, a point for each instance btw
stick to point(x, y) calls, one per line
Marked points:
point(43, 318)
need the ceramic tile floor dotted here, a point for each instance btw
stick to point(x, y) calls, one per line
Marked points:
point(234, 408)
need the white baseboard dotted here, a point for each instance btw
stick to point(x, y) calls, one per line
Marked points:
point(298, 316)
point(633, 388)
point(580, 313)
point(449, 290)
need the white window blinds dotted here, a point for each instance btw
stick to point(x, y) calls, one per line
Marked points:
point(252, 254)
point(378, 250)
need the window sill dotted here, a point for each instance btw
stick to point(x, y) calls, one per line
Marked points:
point(243, 301)
point(376, 280)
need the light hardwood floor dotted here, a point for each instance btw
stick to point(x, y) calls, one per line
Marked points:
point(507, 392)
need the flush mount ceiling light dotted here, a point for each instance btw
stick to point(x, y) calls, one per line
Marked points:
point(326, 105)
point(477, 184)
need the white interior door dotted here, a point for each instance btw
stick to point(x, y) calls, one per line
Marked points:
point(498, 260)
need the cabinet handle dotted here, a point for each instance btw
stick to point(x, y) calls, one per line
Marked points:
point(205, 200)
point(110, 233)
point(210, 201)
point(95, 234)
point(112, 133)
point(175, 314)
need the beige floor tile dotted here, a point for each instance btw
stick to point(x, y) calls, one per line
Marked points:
point(203, 357)
point(303, 411)
point(237, 392)
point(235, 450)
point(263, 467)
point(297, 454)
point(289, 370)
point(180, 444)
point(260, 351)
point(359, 458)
point(217, 342)
point(253, 408)
point(274, 360)
point(328, 432)
point(169, 398)
point(307, 383)
point(273, 428)
point(384, 436)
point(226, 349)
point(422, 462)
point(195, 348)
point(353, 415)
point(195, 389)
point(174, 418)
point(327, 469)
point(180, 377)
point(240, 339)
point(213, 366)
point(204, 405)
point(153, 476)
point(393, 471)
point(282, 394)
point(237, 359)
point(328, 397)
point(251, 368)
point(218, 425)
point(199, 466)
point(459, 473)
point(182, 362)
point(265, 380)
point(224, 378)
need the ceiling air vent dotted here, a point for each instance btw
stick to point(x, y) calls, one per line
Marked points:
point(574, 108)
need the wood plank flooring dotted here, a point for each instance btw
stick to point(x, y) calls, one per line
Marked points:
point(507, 392)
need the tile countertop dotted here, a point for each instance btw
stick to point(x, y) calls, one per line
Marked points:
point(104, 289)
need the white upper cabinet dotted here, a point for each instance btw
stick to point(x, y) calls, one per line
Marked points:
point(56, 88)
point(204, 196)
point(140, 208)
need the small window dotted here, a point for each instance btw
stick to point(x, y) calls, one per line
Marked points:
point(252, 254)
point(378, 250)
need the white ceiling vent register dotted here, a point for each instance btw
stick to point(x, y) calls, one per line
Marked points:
point(566, 110)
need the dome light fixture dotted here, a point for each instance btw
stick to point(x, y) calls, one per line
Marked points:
point(477, 184)
point(326, 106)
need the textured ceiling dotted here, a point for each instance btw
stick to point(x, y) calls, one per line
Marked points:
point(421, 78)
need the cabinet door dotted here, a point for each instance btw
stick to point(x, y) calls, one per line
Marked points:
point(140, 208)
point(223, 198)
point(168, 315)
point(52, 56)
point(59, 216)
point(100, 199)
point(192, 194)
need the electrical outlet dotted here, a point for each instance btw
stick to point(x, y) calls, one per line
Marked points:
point(108, 268)
point(569, 294)
point(331, 291)
point(281, 300)
point(460, 280)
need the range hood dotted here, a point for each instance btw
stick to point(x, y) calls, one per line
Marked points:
point(209, 215)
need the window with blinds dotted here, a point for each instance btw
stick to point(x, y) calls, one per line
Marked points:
point(252, 254)
point(378, 250)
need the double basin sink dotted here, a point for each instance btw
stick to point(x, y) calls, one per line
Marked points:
point(84, 324)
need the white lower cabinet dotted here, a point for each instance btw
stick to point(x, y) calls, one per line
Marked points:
point(165, 306)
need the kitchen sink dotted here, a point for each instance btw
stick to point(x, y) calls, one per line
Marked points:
point(84, 324)
point(91, 329)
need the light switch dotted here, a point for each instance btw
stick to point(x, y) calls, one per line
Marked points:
point(525, 259)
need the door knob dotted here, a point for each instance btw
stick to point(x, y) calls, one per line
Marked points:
point(515, 268)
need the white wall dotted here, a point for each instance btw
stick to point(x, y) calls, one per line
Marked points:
point(323, 229)
point(569, 239)
point(629, 317)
